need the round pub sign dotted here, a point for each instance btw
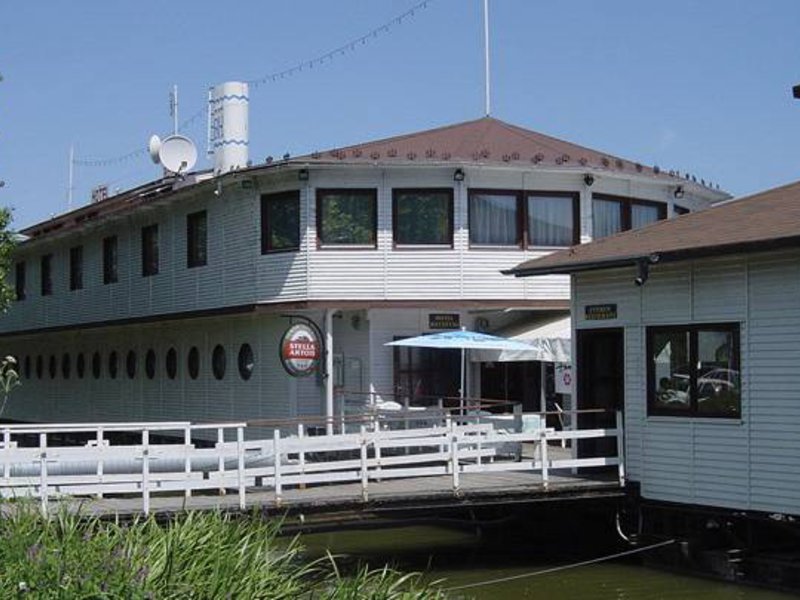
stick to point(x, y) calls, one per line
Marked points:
point(300, 350)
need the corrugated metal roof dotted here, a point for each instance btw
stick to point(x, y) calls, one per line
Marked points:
point(766, 220)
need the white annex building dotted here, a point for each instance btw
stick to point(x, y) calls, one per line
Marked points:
point(168, 301)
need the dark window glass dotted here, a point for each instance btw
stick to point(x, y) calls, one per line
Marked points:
point(426, 373)
point(113, 364)
point(130, 364)
point(150, 364)
point(218, 361)
point(194, 362)
point(644, 214)
point(172, 363)
point(46, 274)
point(110, 257)
point(681, 210)
point(551, 220)
point(19, 281)
point(347, 217)
point(693, 370)
point(196, 239)
point(423, 217)
point(27, 367)
point(80, 365)
point(149, 250)
point(606, 217)
point(39, 366)
point(611, 214)
point(66, 365)
point(246, 362)
point(494, 219)
point(76, 268)
point(52, 366)
point(96, 365)
point(280, 222)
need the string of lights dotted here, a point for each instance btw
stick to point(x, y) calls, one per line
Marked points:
point(305, 65)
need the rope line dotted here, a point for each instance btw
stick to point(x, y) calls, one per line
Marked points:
point(338, 52)
point(561, 568)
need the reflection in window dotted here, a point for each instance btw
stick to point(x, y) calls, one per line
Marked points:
point(150, 364)
point(551, 220)
point(280, 222)
point(194, 362)
point(246, 362)
point(46, 274)
point(196, 239)
point(423, 217)
point(218, 362)
point(347, 217)
point(693, 370)
point(612, 214)
point(493, 219)
point(19, 281)
point(110, 249)
point(149, 250)
point(76, 268)
point(172, 363)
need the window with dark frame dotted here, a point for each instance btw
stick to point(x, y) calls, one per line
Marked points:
point(46, 274)
point(197, 239)
point(613, 214)
point(280, 222)
point(110, 258)
point(681, 210)
point(422, 217)
point(150, 250)
point(494, 218)
point(19, 280)
point(76, 268)
point(347, 217)
point(694, 371)
point(553, 219)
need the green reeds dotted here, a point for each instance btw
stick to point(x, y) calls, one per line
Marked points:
point(196, 555)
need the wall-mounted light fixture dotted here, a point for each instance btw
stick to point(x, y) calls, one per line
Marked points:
point(458, 175)
point(302, 175)
point(588, 179)
point(678, 193)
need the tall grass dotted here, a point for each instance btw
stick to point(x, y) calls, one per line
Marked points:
point(197, 555)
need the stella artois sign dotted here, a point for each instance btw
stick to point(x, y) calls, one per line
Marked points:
point(300, 350)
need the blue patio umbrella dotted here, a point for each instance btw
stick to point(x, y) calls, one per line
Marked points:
point(463, 340)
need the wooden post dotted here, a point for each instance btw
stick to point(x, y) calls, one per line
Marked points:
point(146, 471)
point(364, 468)
point(621, 447)
point(187, 444)
point(454, 455)
point(240, 466)
point(43, 491)
point(221, 461)
point(276, 438)
point(302, 454)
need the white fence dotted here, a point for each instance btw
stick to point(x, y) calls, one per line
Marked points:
point(44, 461)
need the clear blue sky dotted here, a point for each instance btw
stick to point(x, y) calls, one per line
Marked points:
point(697, 85)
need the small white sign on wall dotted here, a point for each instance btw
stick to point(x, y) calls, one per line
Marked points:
point(563, 378)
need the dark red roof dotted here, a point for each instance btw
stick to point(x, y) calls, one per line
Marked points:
point(763, 221)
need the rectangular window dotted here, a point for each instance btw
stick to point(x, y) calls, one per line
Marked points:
point(110, 245)
point(494, 218)
point(19, 280)
point(46, 274)
point(552, 219)
point(681, 210)
point(196, 239)
point(280, 222)
point(76, 268)
point(693, 371)
point(347, 217)
point(423, 217)
point(611, 214)
point(149, 250)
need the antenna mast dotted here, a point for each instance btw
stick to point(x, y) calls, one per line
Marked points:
point(173, 108)
point(71, 184)
point(488, 106)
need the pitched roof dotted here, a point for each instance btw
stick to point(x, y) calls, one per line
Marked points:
point(764, 221)
point(485, 140)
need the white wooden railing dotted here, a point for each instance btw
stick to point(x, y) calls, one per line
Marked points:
point(43, 461)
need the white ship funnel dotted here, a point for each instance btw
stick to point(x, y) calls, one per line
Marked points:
point(228, 138)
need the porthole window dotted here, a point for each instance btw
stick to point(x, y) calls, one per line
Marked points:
point(52, 367)
point(130, 364)
point(218, 361)
point(113, 364)
point(150, 364)
point(28, 367)
point(66, 365)
point(39, 366)
point(194, 362)
point(172, 363)
point(80, 365)
point(96, 365)
point(246, 361)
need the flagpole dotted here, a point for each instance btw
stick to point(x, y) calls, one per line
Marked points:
point(487, 85)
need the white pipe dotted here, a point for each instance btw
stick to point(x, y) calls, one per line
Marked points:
point(329, 370)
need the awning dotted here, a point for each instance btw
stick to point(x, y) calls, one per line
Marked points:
point(549, 341)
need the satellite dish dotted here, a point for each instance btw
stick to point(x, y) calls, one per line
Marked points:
point(177, 154)
point(153, 146)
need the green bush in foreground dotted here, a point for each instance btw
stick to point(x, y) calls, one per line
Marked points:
point(198, 555)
